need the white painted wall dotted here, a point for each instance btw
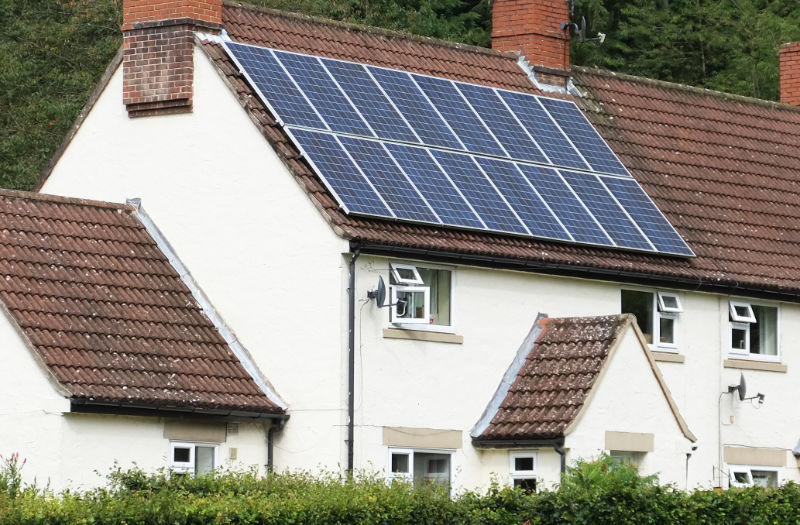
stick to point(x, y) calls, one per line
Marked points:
point(276, 273)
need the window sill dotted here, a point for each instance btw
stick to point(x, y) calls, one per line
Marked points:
point(668, 357)
point(749, 364)
point(422, 335)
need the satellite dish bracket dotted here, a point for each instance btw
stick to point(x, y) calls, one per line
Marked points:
point(379, 294)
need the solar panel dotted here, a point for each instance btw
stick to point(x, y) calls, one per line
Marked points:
point(368, 98)
point(580, 131)
point(435, 186)
point(275, 87)
point(411, 102)
point(342, 176)
point(459, 115)
point(417, 148)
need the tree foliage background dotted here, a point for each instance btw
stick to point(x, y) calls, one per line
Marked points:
point(53, 52)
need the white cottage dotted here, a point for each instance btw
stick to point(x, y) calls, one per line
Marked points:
point(416, 389)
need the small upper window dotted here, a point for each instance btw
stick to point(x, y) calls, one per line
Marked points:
point(656, 315)
point(420, 295)
point(523, 470)
point(192, 458)
point(753, 329)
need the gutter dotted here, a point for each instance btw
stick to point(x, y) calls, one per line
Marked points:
point(580, 271)
point(351, 355)
point(88, 406)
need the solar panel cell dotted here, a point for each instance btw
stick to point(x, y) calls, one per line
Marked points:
point(565, 205)
point(434, 185)
point(408, 98)
point(523, 198)
point(607, 212)
point(342, 177)
point(323, 93)
point(502, 122)
point(276, 87)
point(546, 134)
point(386, 176)
point(647, 216)
point(462, 119)
point(580, 131)
point(480, 193)
point(367, 96)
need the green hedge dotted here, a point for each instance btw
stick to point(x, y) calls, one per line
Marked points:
point(597, 493)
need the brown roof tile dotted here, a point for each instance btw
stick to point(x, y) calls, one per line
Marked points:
point(107, 313)
point(556, 377)
point(696, 153)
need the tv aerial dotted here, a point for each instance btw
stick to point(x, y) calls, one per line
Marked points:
point(580, 31)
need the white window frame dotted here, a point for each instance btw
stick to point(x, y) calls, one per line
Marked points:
point(426, 305)
point(409, 476)
point(669, 309)
point(187, 467)
point(395, 269)
point(744, 323)
point(424, 325)
point(660, 311)
point(749, 469)
point(735, 317)
point(523, 474)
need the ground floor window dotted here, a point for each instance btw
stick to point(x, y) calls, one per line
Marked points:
point(193, 458)
point(624, 457)
point(422, 467)
point(523, 470)
point(749, 476)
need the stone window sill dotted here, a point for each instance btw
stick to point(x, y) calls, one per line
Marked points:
point(668, 357)
point(747, 364)
point(422, 335)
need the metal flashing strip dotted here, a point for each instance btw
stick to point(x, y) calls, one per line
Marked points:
point(508, 378)
point(227, 334)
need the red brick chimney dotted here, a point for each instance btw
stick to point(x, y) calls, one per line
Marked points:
point(158, 69)
point(533, 27)
point(790, 73)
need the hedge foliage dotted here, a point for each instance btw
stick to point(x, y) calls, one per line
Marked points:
point(597, 493)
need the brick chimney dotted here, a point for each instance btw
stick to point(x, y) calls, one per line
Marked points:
point(790, 73)
point(533, 27)
point(158, 69)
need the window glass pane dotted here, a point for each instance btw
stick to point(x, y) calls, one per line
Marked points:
point(431, 468)
point(203, 460)
point(181, 454)
point(414, 307)
point(764, 332)
point(406, 273)
point(640, 304)
point(400, 463)
point(741, 477)
point(526, 484)
point(739, 338)
point(522, 464)
point(439, 283)
point(670, 301)
point(765, 478)
point(666, 330)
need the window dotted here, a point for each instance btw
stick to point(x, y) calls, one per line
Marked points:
point(420, 295)
point(656, 314)
point(622, 457)
point(193, 458)
point(754, 330)
point(745, 476)
point(422, 467)
point(523, 470)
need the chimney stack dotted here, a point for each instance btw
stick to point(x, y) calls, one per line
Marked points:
point(158, 67)
point(533, 27)
point(790, 73)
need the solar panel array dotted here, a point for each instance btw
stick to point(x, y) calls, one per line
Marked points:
point(417, 148)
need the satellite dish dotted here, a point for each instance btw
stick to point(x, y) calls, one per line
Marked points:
point(378, 294)
point(742, 388)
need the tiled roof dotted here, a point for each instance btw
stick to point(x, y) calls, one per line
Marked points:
point(108, 315)
point(556, 377)
point(722, 168)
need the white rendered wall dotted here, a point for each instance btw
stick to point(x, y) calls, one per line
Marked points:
point(252, 239)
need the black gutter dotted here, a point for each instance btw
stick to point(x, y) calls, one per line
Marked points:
point(557, 443)
point(582, 271)
point(85, 406)
point(351, 356)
